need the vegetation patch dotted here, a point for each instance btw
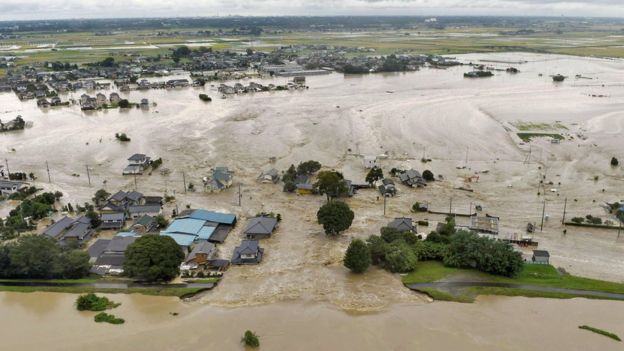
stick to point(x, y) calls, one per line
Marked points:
point(530, 126)
point(601, 332)
point(527, 137)
point(250, 339)
point(108, 318)
point(91, 302)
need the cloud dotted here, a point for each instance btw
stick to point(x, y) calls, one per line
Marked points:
point(42, 9)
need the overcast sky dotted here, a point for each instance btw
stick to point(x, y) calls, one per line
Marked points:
point(50, 9)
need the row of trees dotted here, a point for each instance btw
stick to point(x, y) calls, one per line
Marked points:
point(399, 252)
point(40, 257)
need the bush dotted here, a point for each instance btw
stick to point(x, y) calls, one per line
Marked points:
point(430, 251)
point(250, 339)
point(358, 256)
point(614, 162)
point(400, 258)
point(108, 318)
point(205, 98)
point(428, 176)
point(578, 220)
point(91, 302)
point(122, 137)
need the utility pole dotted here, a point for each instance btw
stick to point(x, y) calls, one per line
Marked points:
point(135, 182)
point(543, 213)
point(384, 196)
point(184, 181)
point(451, 206)
point(470, 212)
point(48, 169)
point(565, 205)
point(8, 170)
point(89, 175)
point(240, 195)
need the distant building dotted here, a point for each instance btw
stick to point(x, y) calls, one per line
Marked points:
point(69, 229)
point(137, 164)
point(484, 224)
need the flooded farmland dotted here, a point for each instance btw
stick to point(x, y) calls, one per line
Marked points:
point(432, 113)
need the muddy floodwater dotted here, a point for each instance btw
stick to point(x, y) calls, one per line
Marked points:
point(50, 321)
point(467, 127)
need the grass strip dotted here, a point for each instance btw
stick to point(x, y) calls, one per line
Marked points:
point(601, 332)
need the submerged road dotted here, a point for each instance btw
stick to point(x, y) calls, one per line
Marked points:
point(456, 285)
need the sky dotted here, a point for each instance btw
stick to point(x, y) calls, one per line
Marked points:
point(57, 9)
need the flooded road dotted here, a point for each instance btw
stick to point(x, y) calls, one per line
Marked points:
point(433, 113)
point(50, 321)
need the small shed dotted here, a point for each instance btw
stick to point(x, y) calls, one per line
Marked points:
point(541, 257)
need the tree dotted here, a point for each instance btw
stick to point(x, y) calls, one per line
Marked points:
point(468, 250)
point(108, 62)
point(153, 258)
point(100, 196)
point(377, 248)
point(358, 256)
point(374, 175)
point(308, 167)
point(335, 216)
point(428, 176)
point(331, 184)
point(34, 256)
point(74, 264)
point(614, 162)
point(124, 103)
point(162, 221)
point(250, 339)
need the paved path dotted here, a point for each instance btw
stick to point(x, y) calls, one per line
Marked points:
point(455, 285)
point(108, 285)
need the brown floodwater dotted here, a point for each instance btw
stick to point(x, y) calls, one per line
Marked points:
point(49, 321)
point(436, 113)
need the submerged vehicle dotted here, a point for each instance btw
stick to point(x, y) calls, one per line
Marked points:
point(478, 74)
point(558, 78)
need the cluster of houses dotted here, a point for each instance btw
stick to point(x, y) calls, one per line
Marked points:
point(253, 87)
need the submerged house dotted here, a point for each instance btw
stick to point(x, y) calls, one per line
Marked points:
point(387, 187)
point(137, 164)
point(249, 252)
point(270, 176)
point(8, 187)
point(220, 179)
point(402, 224)
point(412, 178)
point(200, 256)
point(260, 227)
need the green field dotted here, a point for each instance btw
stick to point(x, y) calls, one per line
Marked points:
point(536, 275)
point(600, 41)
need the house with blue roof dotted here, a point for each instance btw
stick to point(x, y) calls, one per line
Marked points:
point(187, 230)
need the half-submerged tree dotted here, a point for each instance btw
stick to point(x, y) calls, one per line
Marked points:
point(335, 217)
point(358, 256)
